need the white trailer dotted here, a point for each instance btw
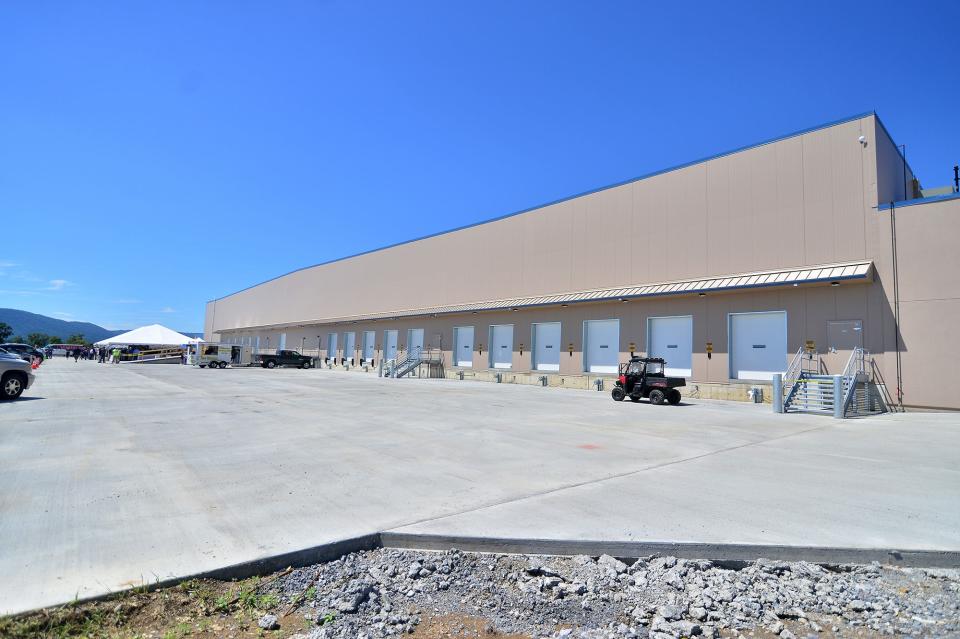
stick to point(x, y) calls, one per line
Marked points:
point(222, 355)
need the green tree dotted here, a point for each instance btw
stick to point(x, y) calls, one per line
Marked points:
point(17, 339)
point(5, 331)
point(76, 339)
point(54, 339)
point(38, 339)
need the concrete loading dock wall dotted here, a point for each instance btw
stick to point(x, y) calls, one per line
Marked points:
point(808, 311)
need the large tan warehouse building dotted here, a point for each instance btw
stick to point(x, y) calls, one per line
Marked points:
point(726, 267)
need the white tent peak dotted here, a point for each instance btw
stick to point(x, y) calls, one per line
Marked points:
point(152, 335)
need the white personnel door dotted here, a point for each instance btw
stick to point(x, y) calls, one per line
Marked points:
point(546, 347)
point(389, 344)
point(349, 344)
point(672, 339)
point(601, 346)
point(463, 346)
point(757, 344)
point(332, 345)
point(283, 342)
point(414, 339)
point(369, 344)
point(501, 346)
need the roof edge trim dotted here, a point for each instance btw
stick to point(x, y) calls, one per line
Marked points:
point(918, 200)
point(862, 270)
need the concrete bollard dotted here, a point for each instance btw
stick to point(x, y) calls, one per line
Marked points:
point(777, 398)
point(837, 397)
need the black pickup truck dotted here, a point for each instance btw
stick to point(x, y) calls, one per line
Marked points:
point(285, 358)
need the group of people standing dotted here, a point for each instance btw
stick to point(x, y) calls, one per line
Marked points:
point(101, 354)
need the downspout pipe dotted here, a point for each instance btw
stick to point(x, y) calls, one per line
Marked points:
point(896, 302)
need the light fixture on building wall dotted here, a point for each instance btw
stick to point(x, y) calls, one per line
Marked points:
point(564, 305)
point(702, 294)
point(834, 283)
point(623, 299)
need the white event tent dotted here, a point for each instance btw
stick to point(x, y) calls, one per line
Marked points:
point(153, 335)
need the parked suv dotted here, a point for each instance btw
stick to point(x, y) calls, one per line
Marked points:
point(16, 375)
point(24, 351)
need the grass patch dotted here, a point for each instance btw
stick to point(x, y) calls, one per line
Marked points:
point(69, 621)
point(195, 608)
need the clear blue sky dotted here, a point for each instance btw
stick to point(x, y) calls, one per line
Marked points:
point(149, 150)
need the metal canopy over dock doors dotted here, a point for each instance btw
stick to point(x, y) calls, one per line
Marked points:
point(369, 344)
point(546, 346)
point(414, 339)
point(501, 346)
point(349, 345)
point(757, 344)
point(672, 339)
point(463, 346)
point(389, 345)
point(601, 346)
point(332, 345)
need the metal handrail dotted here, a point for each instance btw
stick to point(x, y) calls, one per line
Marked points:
point(143, 356)
point(793, 371)
point(856, 365)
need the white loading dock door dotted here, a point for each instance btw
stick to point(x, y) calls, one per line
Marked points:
point(601, 346)
point(389, 344)
point(463, 346)
point(283, 342)
point(501, 346)
point(349, 344)
point(757, 344)
point(369, 344)
point(414, 339)
point(332, 345)
point(546, 347)
point(672, 339)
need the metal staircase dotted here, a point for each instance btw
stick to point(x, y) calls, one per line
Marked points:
point(805, 389)
point(811, 394)
point(407, 362)
point(413, 359)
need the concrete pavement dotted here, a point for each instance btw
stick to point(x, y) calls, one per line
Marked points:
point(118, 475)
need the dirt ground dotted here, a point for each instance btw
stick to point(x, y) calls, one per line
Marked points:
point(202, 609)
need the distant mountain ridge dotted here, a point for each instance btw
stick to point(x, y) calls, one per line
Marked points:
point(23, 323)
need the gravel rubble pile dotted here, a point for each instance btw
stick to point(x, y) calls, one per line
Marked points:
point(387, 592)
